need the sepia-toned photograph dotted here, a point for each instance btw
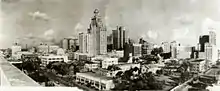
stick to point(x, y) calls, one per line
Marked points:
point(110, 45)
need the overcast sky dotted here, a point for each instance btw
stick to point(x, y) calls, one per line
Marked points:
point(32, 21)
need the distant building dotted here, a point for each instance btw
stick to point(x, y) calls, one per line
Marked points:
point(60, 51)
point(98, 37)
point(68, 43)
point(96, 80)
point(127, 50)
point(45, 49)
point(117, 54)
point(174, 45)
point(46, 59)
point(198, 65)
point(109, 61)
point(183, 52)
point(65, 44)
point(109, 43)
point(212, 37)
point(144, 48)
point(119, 38)
point(90, 66)
point(15, 49)
point(211, 52)
point(202, 40)
point(82, 56)
point(136, 50)
point(166, 47)
point(83, 42)
point(128, 66)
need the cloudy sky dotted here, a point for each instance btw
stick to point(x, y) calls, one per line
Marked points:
point(32, 21)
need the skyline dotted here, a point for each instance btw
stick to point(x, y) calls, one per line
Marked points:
point(156, 21)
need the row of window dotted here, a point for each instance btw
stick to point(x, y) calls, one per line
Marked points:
point(93, 83)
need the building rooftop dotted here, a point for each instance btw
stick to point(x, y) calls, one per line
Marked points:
point(95, 76)
point(12, 76)
point(198, 60)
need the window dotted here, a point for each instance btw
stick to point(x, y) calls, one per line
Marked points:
point(97, 84)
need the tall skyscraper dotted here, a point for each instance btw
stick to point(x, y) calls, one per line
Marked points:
point(83, 42)
point(174, 46)
point(127, 50)
point(119, 38)
point(202, 40)
point(97, 35)
point(212, 37)
point(211, 52)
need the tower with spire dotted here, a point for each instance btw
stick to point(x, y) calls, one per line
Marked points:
point(97, 35)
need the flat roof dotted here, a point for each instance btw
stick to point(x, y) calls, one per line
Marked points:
point(14, 76)
point(95, 75)
point(198, 60)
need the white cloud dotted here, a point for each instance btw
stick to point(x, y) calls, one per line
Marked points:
point(49, 32)
point(152, 34)
point(78, 26)
point(39, 15)
point(180, 33)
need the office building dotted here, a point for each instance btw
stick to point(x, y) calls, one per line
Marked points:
point(97, 35)
point(83, 42)
point(96, 80)
point(174, 46)
point(183, 52)
point(109, 61)
point(45, 49)
point(109, 43)
point(212, 37)
point(144, 48)
point(136, 50)
point(15, 49)
point(127, 50)
point(198, 65)
point(202, 40)
point(211, 52)
point(119, 38)
point(166, 47)
point(46, 59)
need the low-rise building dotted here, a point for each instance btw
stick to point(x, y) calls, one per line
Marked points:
point(198, 65)
point(91, 65)
point(128, 66)
point(82, 56)
point(95, 80)
point(109, 61)
point(46, 59)
point(19, 54)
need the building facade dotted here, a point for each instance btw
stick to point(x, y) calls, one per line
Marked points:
point(46, 59)
point(119, 38)
point(109, 61)
point(83, 42)
point(15, 49)
point(96, 80)
point(212, 37)
point(166, 47)
point(136, 50)
point(211, 52)
point(198, 65)
point(97, 35)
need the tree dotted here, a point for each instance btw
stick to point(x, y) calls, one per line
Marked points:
point(156, 51)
